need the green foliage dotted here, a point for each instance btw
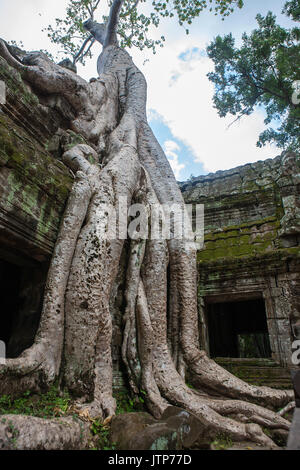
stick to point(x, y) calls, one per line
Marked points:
point(69, 32)
point(101, 436)
point(262, 72)
point(127, 404)
point(292, 9)
point(222, 442)
point(12, 431)
point(133, 26)
point(18, 44)
point(190, 385)
point(48, 405)
point(277, 438)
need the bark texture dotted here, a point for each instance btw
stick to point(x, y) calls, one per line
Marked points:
point(18, 432)
point(122, 159)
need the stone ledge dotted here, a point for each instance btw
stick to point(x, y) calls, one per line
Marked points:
point(257, 371)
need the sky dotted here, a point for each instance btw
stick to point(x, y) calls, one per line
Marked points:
point(180, 107)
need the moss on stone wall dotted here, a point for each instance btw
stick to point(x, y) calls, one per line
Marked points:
point(15, 83)
point(211, 271)
point(244, 240)
point(32, 162)
point(34, 186)
point(257, 209)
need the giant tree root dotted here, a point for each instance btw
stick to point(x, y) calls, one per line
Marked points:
point(39, 365)
point(217, 416)
point(19, 432)
point(123, 161)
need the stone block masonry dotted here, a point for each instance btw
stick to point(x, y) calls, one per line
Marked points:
point(251, 250)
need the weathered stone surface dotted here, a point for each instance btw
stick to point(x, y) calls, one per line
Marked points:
point(251, 244)
point(68, 64)
point(176, 430)
point(249, 199)
point(258, 371)
point(33, 190)
point(33, 185)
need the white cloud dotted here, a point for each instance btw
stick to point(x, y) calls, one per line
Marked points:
point(170, 148)
point(186, 106)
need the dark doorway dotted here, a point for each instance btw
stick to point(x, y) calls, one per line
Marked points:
point(238, 329)
point(21, 291)
point(10, 278)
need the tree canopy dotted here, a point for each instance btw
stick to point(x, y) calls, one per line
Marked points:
point(135, 22)
point(263, 71)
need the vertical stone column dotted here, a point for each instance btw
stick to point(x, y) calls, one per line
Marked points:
point(278, 301)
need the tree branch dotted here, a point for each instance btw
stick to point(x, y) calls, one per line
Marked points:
point(89, 10)
point(131, 9)
point(96, 6)
point(77, 56)
point(12, 61)
point(89, 48)
point(97, 30)
point(112, 23)
point(253, 80)
point(93, 9)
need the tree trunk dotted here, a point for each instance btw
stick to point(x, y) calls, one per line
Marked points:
point(123, 161)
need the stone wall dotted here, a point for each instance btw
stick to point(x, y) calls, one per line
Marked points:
point(251, 249)
point(34, 188)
